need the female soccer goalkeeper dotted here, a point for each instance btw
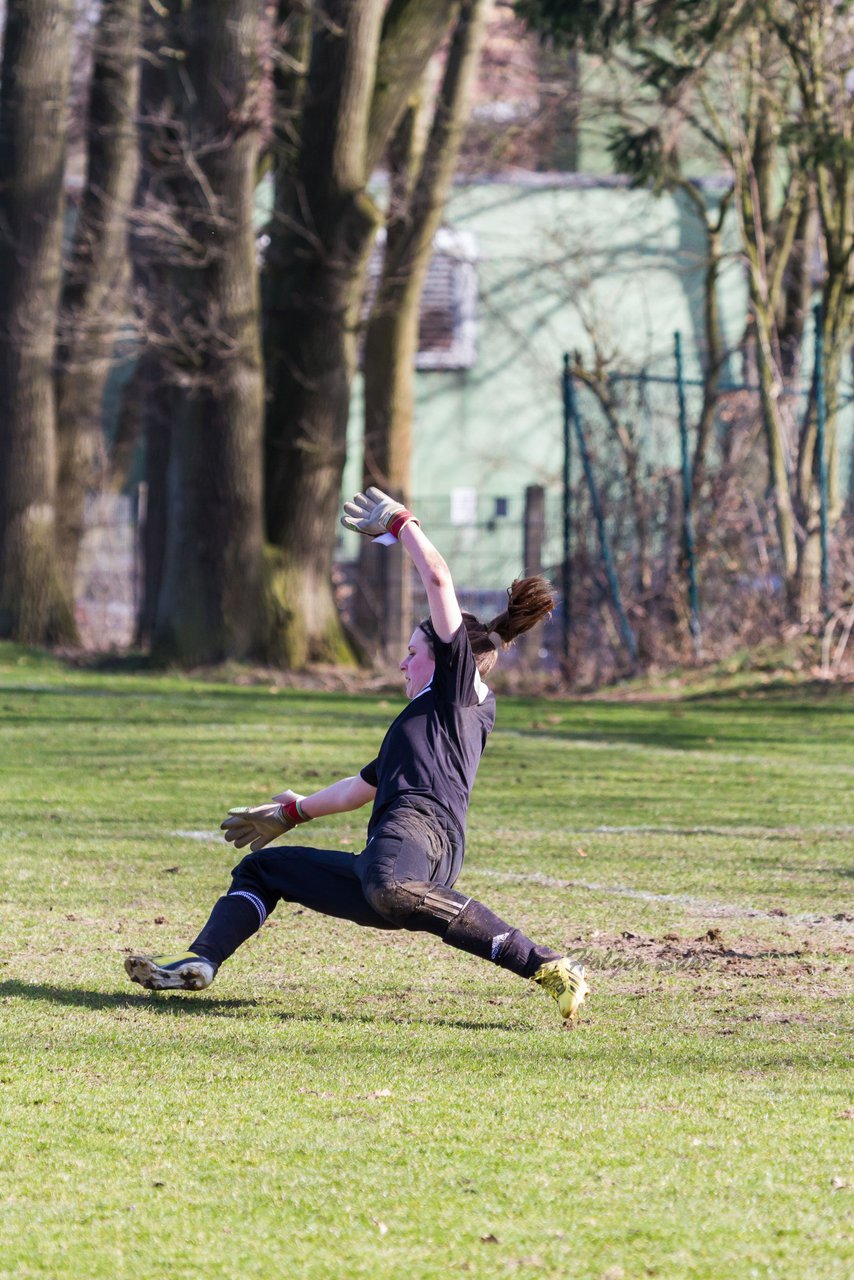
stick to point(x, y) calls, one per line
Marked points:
point(419, 784)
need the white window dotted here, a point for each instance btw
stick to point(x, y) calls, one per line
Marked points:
point(447, 331)
point(447, 336)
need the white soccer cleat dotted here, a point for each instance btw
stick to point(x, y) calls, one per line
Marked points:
point(186, 972)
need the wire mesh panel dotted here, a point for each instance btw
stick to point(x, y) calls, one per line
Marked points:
point(108, 578)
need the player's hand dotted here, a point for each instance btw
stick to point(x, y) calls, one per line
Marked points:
point(288, 797)
point(256, 825)
point(376, 515)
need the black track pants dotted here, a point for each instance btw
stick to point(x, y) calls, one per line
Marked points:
point(402, 880)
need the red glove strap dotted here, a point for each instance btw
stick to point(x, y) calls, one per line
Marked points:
point(292, 813)
point(397, 522)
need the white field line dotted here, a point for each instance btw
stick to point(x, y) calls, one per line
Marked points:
point(692, 753)
point(698, 905)
point(752, 833)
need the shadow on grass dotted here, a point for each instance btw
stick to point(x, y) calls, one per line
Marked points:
point(177, 1003)
point(156, 1001)
point(404, 1020)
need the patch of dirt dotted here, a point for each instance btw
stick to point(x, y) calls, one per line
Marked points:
point(770, 1017)
point(739, 957)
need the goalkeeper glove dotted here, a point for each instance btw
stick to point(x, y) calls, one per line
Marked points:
point(376, 515)
point(256, 825)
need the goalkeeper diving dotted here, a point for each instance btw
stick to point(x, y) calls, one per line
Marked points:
point(418, 786)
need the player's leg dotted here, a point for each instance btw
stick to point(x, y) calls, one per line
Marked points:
point(323, 880)
point(407, 874)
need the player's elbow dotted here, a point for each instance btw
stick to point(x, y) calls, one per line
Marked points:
point(359, 792)
point(440, 574)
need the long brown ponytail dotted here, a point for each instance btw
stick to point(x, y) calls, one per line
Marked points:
point(529, 600)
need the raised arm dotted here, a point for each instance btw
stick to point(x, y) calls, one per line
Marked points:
point(436, 576)
point(377, 516)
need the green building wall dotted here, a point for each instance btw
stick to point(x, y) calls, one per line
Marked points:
point(557, 262)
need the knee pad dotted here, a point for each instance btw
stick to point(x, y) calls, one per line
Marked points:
point(415, 904)
point(391, 900)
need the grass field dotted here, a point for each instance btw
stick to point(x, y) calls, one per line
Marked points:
point(343, 1103)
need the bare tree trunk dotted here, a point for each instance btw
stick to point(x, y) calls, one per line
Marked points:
point(837, 313)
point(419, 192)
point(148, 395)
point(365, 58)
point(95, 301)
point(317, 263)
point(155, 520)
point(35, 602)
point(715, 354)
point(768, 255)
point(384, 594)
point(210, 599)
point(823, 65)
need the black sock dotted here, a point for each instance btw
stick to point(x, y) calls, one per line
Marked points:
point(536, 957)
point(234, 919)
point(482, 933)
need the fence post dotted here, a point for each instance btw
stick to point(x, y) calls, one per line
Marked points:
point(599, 515)
point(534, 535)
point(820, 415)
point(566, 553)
point(687, 512)
point(535, 526)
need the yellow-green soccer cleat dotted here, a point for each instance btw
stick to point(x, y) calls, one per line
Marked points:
point(187, 972)
point(564, 979)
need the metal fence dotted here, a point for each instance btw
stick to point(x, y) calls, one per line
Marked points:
point(601, 532)
point(109, 573)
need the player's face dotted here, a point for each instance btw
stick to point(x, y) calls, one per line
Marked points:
point(418, 665)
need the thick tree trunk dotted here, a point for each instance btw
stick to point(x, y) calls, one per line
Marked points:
point(95, 300)
point(419, 190)
point(314, 290)
point(35, 602)
point(149, 397)
point(210, 600)
point(316, 271)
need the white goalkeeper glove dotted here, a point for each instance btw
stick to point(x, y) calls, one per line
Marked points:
point(258, 824)
point(377, 516)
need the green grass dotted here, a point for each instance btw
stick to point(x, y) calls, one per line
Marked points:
point(343, 1103)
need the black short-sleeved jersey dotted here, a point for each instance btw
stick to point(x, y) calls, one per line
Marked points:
point(434, 746)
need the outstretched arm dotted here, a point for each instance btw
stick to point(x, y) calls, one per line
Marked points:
point(340, 797)
point(436, 576)
point(256, 825)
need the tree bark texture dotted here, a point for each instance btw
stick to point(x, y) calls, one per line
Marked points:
point(315, 285)
point(209, 605)
point(146, 395)
point(817, 40)
point(35, 603)
point(316, 270)
point(767, 255)
point(95, 300)
point(420, 184)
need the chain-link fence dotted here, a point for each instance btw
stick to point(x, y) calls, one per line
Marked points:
point(109, 573)
point(622, 519)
